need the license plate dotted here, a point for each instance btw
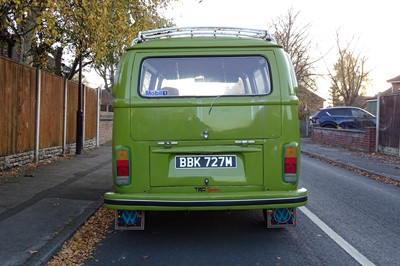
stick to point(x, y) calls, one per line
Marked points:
point(205, 161)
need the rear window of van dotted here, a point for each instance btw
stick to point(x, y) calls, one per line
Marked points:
point(205, 76)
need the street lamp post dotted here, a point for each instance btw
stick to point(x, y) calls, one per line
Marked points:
point(79, 112)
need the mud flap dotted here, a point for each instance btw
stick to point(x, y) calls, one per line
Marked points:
point(129, 220)
point(280, 218)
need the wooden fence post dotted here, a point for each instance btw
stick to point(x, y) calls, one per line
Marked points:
point(378, 113)
point(84, 115)
point(65, 110)
point(37, 127)
point(98, 118)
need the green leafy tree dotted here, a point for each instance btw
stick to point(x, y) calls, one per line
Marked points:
point(95, 29)
point(100, 30)
point(18, 23)
point(138, 20)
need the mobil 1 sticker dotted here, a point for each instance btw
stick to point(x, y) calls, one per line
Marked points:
point(205, 161)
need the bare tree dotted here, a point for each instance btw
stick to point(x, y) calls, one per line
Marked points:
point(294, 37)
point(296, 42)
point(349, 76)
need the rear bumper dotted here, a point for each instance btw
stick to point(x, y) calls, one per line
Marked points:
point(220, 201)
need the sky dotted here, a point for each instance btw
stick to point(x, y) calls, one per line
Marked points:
point(372, 25)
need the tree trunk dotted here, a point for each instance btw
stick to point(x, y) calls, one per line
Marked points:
point(10, 49)
point(73, 68)
point(58, 61)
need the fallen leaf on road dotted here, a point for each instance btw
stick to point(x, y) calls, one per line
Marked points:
point(80, 247)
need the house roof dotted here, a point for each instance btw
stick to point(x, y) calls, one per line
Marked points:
point(390, 91)
point(312, 94)
point(394, 80)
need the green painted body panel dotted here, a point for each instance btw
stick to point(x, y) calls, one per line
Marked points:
point(226, 121)
point(247, 172)
point(252, 128)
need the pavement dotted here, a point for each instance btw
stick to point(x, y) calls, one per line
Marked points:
point(353, 159)
point(41, 208)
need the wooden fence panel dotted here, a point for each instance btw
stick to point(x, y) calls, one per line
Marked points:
point(72, 106)
point(18, 101)
point(2, 106)
point(90, 113)
point(51, 110)
point(4, 112)
point(10, 89)
point(26, 111)
point(389, 124)
point(17, 105)
point(7, 112)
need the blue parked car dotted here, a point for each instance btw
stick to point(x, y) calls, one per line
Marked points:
point(343, 117)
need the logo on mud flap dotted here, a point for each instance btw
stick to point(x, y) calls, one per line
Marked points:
point(282, 215)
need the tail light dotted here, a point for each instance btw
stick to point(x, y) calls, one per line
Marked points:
point(314, 119)
point(290, 160)
point(122, 164)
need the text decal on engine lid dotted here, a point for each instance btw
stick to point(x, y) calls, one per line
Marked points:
point(205, 161)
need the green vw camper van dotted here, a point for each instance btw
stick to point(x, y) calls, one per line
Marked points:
point(205, 119)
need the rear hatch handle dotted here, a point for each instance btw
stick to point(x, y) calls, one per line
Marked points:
point(244, 142)
point(167, 144)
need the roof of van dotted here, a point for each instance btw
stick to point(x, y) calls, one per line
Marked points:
point(189, 42)
point(188, 37)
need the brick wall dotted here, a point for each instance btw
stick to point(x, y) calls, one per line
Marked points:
point(20, 159)
point(105, 127)
point(351, 139)
point(25, 158)
point(105, 131)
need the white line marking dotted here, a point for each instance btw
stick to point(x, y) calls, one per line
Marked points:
point(335, 237)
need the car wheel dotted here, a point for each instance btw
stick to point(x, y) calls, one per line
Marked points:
point(329, 126)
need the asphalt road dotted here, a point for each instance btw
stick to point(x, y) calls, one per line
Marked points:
point(349, 220)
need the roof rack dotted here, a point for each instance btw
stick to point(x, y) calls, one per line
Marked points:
point(177, 32)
